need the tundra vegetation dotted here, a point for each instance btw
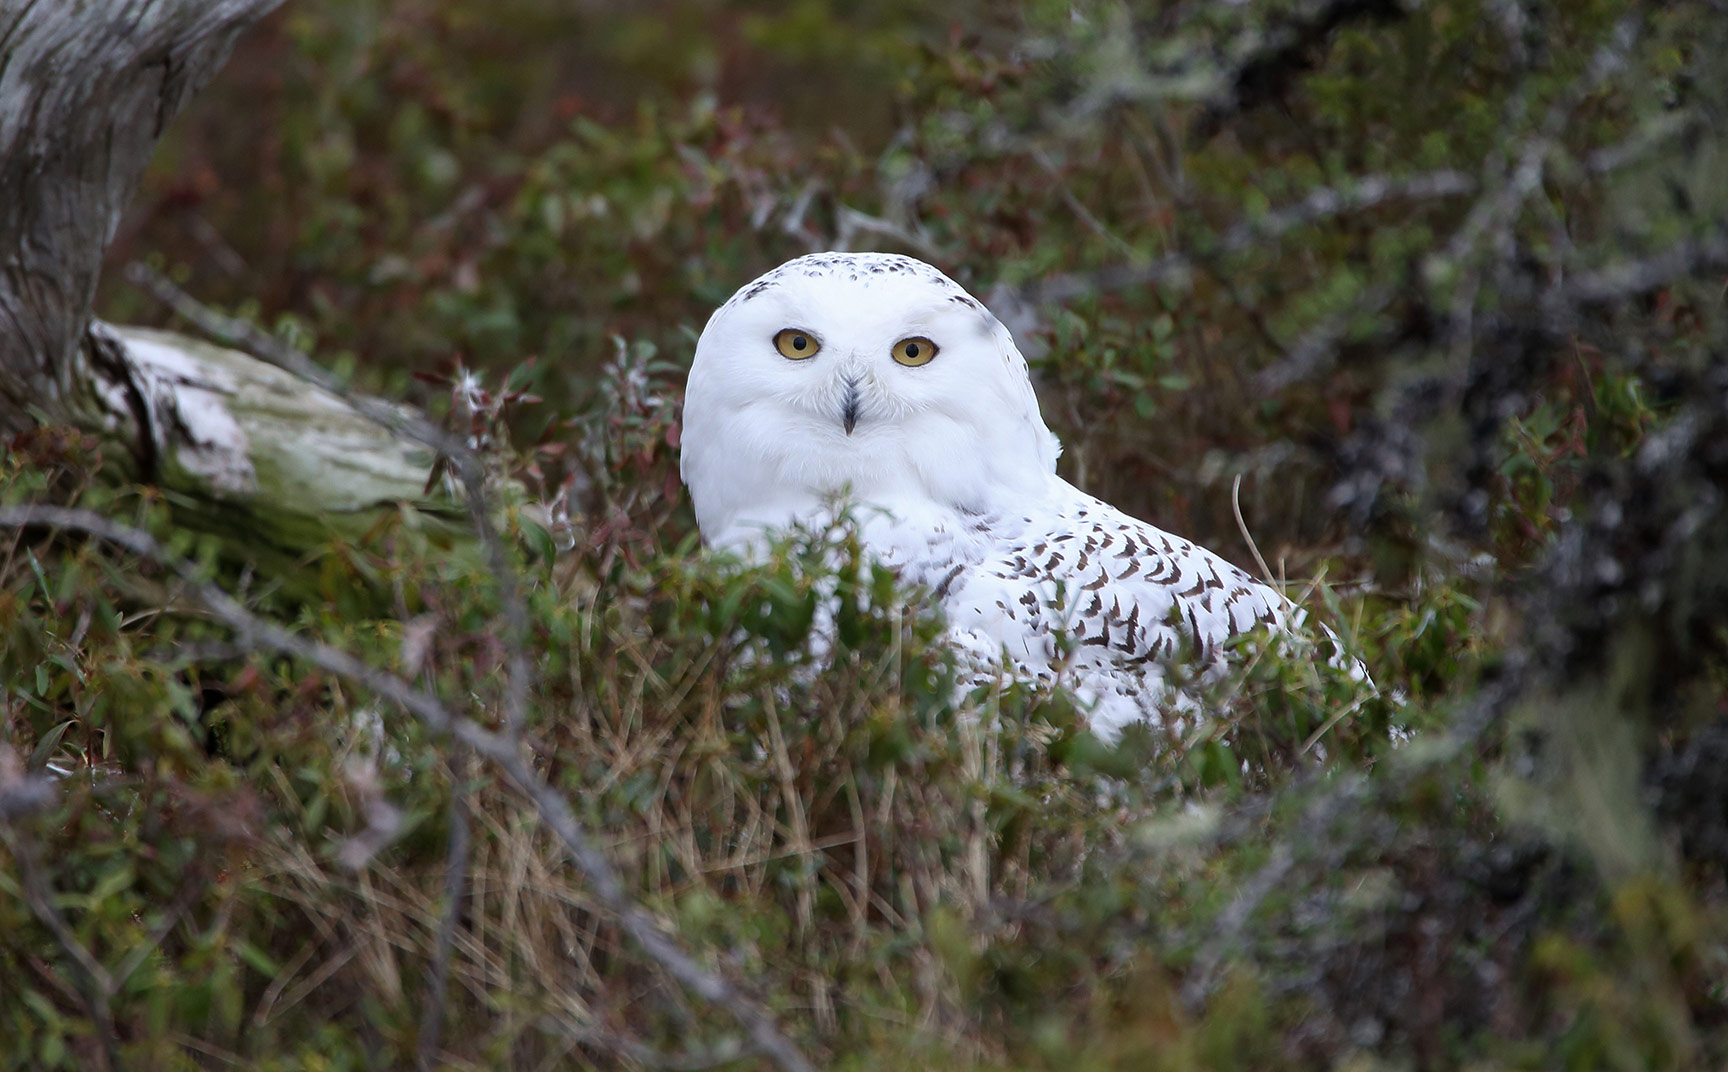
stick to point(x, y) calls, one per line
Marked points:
point(492, 767)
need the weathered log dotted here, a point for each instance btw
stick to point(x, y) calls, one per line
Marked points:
point(235, 431)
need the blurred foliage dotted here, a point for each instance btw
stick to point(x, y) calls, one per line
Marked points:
point(1492, 434)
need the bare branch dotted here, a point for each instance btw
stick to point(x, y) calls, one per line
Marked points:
point(455, 887)
point(1644, 140)
point(502, 750)
point(189, 891)
point(1319, 205)
point(1275, 54)
point(95, 984)
point(1489, 222)
point(469, 469)
point(1631, 278)
point(648, 1056)
point(849, 223)
point(1492, 218)
point(1318, 345)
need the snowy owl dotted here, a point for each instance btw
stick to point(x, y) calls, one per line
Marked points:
point(877, 377)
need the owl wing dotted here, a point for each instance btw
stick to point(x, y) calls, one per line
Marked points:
point(1081, 582)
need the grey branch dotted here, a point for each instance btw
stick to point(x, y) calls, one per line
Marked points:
point(503, 750)
point(469, 470)
point(455, 885)
point(1627, 279)
point(1322, 204)
point(94, 981)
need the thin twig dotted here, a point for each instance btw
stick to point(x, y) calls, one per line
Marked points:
point(267, 347)
point(95, 983)
point(849, 222)
point(1318, 345)
point(1631, 278)
point(501, 749)
point(455, 888)
point(1076, 206)
point(1641, 142)
point(1248, 538)
point(189, 891)
point(1326, 727)
point(1319, 205)
point(1228, 928)
point(1491, 220)
point(645, 1055)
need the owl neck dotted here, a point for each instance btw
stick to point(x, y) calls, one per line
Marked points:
point(753, 470)
point(736, 505)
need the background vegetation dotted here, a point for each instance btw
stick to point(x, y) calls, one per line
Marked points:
point(1443, 282)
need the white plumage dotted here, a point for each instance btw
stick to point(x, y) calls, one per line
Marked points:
point(876, 376)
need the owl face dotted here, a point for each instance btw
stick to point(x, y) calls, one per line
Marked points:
point(869, 373)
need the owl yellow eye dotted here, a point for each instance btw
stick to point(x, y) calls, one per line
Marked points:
point(796, 344)
point(914, 351)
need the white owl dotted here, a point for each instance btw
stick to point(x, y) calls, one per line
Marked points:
point(876, 376)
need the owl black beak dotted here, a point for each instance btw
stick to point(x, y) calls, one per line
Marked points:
point(849, 406)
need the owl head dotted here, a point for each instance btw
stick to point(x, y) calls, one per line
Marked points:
point(867, 374)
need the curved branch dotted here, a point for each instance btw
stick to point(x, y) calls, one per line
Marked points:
point(504, 750)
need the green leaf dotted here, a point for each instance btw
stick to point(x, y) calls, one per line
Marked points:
point(539, 542)
point(49, 743)
point(41, 577)
point(53, 1049)
point(111, 885)
point(258, 960)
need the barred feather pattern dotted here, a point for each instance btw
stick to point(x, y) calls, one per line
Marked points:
point(1076, 591)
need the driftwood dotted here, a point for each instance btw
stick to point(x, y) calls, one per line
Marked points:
point(86, 90)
